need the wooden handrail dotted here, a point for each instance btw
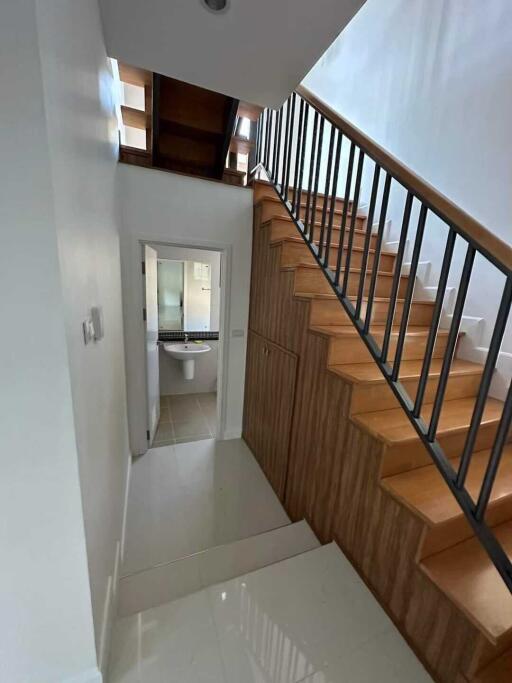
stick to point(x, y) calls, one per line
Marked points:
point(487, 242)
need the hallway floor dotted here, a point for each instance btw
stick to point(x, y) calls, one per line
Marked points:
point(308, 619)
point(186, 417)
point(192, 496)
point(273, 607)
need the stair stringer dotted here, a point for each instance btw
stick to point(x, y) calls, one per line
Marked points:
point(338, 490)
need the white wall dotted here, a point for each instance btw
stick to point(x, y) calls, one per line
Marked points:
point(167, 207)
point(82, 139)
point(45, 618)
point(205, 373)
point(429, 80)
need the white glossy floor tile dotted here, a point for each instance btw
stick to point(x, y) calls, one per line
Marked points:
point(305, 615)
point(154, 586)
point(173, 642)
point(308, 619)
point(188, 497)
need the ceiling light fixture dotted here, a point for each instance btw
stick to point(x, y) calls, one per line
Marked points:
point(216, 5)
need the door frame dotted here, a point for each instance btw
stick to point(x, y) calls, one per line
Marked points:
point(225, 251)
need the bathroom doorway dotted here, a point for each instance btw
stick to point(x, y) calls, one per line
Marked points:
point(184, 308)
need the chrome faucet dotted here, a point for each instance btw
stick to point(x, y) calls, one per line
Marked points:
point(186, 338)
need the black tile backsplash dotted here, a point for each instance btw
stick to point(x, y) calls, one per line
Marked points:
point(179, 335)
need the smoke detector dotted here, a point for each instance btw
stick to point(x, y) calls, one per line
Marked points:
point(216, 5)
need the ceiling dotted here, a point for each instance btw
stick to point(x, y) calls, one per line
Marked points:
point(257, 51)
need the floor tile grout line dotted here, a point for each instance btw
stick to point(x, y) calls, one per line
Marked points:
point(204, 417)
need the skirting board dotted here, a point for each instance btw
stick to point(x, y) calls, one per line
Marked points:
point(109, 613)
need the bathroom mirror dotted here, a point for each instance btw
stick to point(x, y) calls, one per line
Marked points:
point(184, 296)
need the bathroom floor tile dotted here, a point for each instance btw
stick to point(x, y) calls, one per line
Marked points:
point(197, 426)
point(164, 434)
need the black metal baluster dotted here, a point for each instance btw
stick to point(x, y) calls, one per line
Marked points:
point(346, 201)
point(485, 382)
point(278, 148)
point(297, 153)
point(495, 457)
point(353, 218)
point(317, 176)
point(284, 192)
point(397, 276)
point(367, 239)
point(434, 325)
point(301, 164)
point(404, 322)
point(273, 129)
point(290, 145)
point(326, 191)
point(275, 117)
point(334, 192)
point(376, 256)
point(266, 159)
point(311, 173)
point(452, 342)
point(257, 142)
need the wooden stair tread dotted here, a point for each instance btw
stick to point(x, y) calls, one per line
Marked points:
point(318, 224)
point(315, 266)
point(424, 491)
point(369, 373)
point(335, 245)
point(303, 204)
point(467, 576)
point(393, 426)
point(376, 330)
point(380, 299)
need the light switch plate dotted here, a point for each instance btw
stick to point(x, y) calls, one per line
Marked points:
point(88, 330)
point(97, 322)
point(237, 333)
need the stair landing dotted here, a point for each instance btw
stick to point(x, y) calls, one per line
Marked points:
point(306, 618)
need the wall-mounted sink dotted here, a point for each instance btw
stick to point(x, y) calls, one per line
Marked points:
point(186, 352)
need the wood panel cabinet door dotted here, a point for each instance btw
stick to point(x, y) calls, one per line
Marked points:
point(268, 408)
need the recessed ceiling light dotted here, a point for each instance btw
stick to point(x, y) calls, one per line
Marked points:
point(216, 5)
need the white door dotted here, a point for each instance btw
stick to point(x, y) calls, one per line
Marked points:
point(152, 365)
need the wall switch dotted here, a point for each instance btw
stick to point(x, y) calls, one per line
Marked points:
point(97, 322)
point(88, 330)
point(237, 333)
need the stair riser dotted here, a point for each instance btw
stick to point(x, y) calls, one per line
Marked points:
point(313, 280)
point(408, 456)
point(269, 209)
point(294, 253)
point(330, 312)
point(352, 350)
point(337, 218)
point(320, 202)
point(446, 535)
point(284, 227)
point(372, 397)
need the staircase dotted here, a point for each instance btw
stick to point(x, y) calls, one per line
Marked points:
point(359, 462)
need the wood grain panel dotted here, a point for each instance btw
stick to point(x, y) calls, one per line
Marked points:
point(270, 381)
point(316, 455)
point(335, 466)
